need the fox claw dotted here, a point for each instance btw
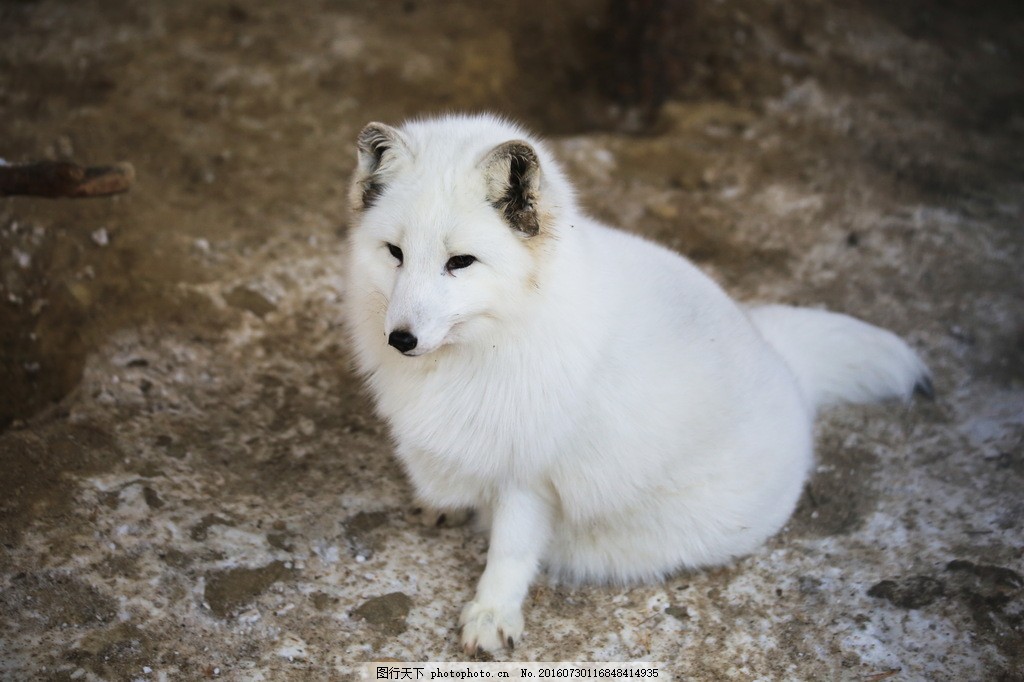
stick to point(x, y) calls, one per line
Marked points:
point(490, 628)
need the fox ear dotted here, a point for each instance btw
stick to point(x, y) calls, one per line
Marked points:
point(512, 173)
point(373, 145)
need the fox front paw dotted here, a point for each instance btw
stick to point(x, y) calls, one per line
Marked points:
point(489, 627)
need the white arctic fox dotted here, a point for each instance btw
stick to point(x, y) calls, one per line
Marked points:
point(606, 408)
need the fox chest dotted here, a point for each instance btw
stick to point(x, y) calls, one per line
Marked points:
point(486, 428)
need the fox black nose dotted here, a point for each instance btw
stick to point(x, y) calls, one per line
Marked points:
point(402, 340)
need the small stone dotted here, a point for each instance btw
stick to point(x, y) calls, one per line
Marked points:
point(387, 612)
point(23, 259)
point(230, 589)
point(321, 600)
point(151, 497)
point(909, 593)
point(248, 299)
point(678, 612)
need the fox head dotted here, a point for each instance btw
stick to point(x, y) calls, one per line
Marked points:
point(451, 217)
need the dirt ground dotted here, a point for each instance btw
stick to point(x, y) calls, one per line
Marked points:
point(192, 484)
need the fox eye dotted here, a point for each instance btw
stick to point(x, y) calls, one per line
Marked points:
point(396, 252)
point(459, 262)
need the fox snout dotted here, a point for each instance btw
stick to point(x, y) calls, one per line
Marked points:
point(402, 339)
point(419, 316)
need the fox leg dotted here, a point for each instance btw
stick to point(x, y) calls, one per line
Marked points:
point(520, 528)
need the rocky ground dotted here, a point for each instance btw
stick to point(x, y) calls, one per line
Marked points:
point(193, 485)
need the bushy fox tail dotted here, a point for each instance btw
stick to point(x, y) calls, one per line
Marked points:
point(837, 358)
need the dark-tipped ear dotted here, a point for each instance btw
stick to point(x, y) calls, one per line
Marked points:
point(512, 173)
point(373, 144)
